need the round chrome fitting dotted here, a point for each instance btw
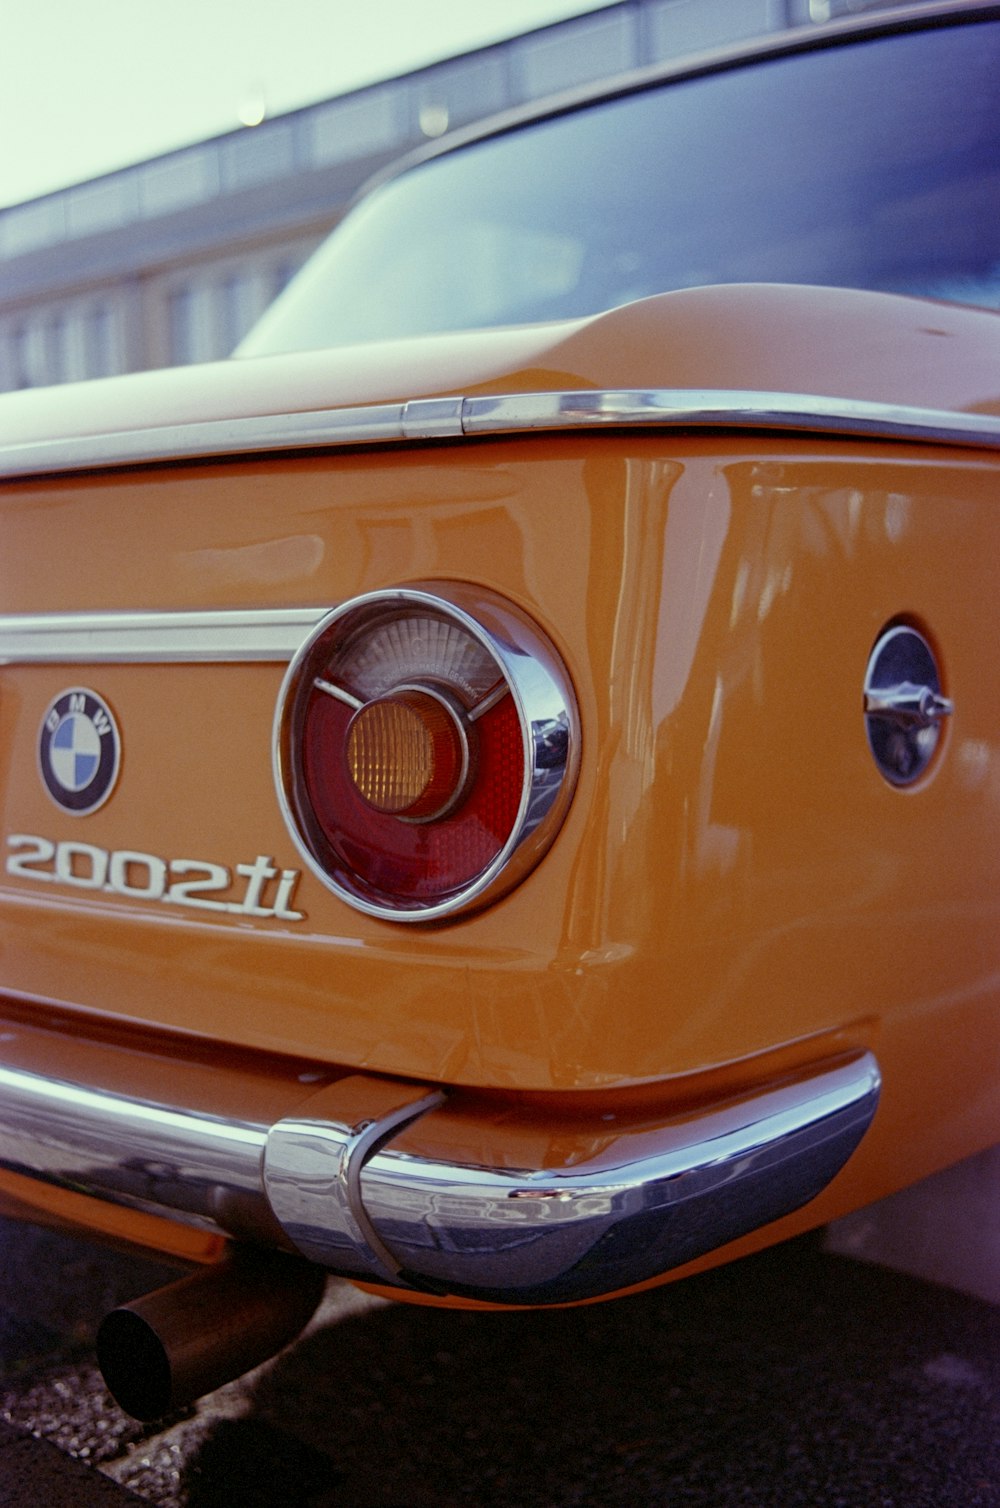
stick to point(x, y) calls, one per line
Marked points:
point(426, 747)
point(904, 707)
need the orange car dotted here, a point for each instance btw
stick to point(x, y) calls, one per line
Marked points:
point(497, 778)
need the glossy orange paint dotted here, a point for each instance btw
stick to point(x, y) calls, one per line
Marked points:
point(734, 886)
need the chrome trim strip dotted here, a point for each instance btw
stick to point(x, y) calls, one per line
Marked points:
point(515, 413)
point(345, 1175)
point(207, 440)
point(266, 634)
point(720, 409)
point(433, 418)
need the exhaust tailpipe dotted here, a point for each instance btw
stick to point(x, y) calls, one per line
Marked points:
point(169, 1348)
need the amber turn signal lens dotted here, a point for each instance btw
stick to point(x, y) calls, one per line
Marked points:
point(407, 755)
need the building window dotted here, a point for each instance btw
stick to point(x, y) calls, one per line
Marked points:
point(238, 308)
point(98, 342)
point(55, 347)
point(22, 357)
point(182, 326)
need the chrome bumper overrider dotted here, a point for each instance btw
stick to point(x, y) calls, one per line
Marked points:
point(353, 1176)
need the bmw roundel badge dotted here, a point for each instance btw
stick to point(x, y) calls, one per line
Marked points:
point(79, 751)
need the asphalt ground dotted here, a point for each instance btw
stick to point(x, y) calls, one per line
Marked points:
point(794, 1378)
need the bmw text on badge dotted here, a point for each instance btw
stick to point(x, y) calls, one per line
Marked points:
point(79, 751)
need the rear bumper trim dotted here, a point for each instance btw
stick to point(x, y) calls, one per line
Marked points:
point(647, 1200)
point(353, 1175)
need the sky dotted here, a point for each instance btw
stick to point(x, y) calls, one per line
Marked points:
point(87, 86)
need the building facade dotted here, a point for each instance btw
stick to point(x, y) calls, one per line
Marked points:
point(171, 260)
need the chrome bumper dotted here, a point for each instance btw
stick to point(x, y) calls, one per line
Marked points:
point(354, 1178)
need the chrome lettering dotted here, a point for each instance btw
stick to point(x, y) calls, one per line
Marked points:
point(195, 883)
point(196, 891)
point(120, 874)
point(67, 871)
point(286, 889)
point(39, 851)
point(257, 875)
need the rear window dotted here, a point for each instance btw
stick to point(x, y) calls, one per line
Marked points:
point(874, 164)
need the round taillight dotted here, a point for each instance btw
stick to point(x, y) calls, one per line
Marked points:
point(426, 747)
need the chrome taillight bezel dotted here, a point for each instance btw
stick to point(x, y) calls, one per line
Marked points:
point(550, 732)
